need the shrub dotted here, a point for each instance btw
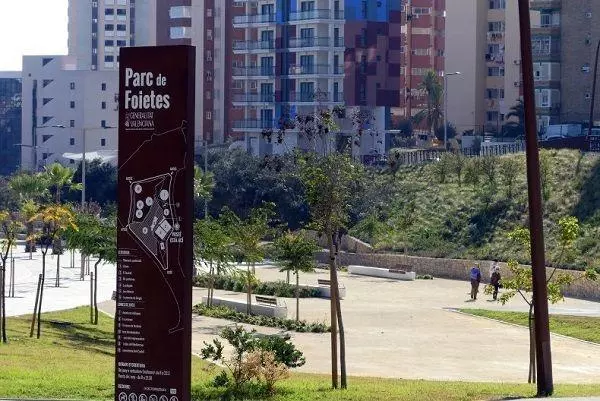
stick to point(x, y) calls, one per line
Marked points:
point(272, 288)
point(223, 312)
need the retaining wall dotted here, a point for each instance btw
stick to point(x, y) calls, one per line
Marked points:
point(455, 269)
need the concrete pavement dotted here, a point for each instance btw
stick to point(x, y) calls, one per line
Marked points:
point(71, 293)
point(402, 330)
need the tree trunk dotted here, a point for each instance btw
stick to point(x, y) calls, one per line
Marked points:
point(297, 295)
point(334, 353)
point(336, 288)
point(82, 275)
point(248, 290)
point(3, 301)
point(39, 313)
point(531, 378)
point(57, 282)
point(211, 283)
point(96, 290)
point(287, 276)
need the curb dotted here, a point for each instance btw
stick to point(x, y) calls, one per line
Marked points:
point(456, 310)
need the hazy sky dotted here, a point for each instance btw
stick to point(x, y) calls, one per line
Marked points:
point(31, 27)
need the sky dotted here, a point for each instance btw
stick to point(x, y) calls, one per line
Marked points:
point(31, 27)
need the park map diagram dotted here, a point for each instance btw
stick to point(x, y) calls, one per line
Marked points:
point(153, 220)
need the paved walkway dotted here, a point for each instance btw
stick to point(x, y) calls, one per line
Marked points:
point(402, 330)
point(71, 293)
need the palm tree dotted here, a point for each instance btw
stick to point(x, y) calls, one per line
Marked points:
point(295, 253)
point(515, 128)
point(59, 177)
point(28, 186)
point(433, 114)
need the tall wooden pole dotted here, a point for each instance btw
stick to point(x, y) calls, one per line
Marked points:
point(545, 385)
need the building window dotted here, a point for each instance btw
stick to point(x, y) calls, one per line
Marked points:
point(72, 85)
point(208, 95)
point(121, 27)
point(180, 12)
point(102, 142)
point(72, 123)
point(103, 105)
point(109, 58)
point(121, 43)
point(109, 11)
point(103, 123)
point(71, 141)
point(180, 32)
point(121, 11)
point(109, 43)
point(103, 86)
point(209, 12)
point(209, 115)
point(496, 26)
point(209, 34)
point(497, 4)
point(109, 27)
point(495, 72)
point(72, 104)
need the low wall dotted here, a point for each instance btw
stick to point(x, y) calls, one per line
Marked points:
point(257, 309)
point(455, 269)
point(348, 243)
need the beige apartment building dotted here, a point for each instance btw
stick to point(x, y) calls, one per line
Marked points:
point(482, 43)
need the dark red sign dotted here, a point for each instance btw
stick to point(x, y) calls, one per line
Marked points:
point(155, 193)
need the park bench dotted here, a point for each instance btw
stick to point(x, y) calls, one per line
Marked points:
point(324, 282)
point(399, 272)
point(266, 300)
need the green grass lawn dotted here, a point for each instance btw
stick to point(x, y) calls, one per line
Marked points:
point(581, 327)
point(76, 361)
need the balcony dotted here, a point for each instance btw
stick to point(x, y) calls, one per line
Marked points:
point(545, 5)
point(266, 71)
point(256, 46)
point(295, 43)
point(247, 98)
point(249, 19)
point(302, 70)
point(314, 98)
point(255, 125)
point(311, 15)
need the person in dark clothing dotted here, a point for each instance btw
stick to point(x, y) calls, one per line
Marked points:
point(475, 276)
point(495, 281)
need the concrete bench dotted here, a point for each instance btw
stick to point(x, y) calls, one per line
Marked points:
point(323, 288)
point(394, 273)
point(266, 300)
point(258, 308)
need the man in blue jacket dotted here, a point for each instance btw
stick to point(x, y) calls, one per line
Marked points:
point(475, 276)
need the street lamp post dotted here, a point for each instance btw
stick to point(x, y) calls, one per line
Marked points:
point(446, 75)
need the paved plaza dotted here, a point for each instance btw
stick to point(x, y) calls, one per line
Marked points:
point(72, 291)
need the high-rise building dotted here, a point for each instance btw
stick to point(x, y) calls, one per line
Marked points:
point(292, 57)
point(483, 43)
point(564, 45)
point(423, 47)
point(10, 121)
point(65, 107)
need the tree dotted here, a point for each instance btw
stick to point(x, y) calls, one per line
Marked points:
point(521, 283)
point(213, 245)
point(509, 171)
point(59, 177)
point(246, 236)
point(97, 237)
point(9, 225)
point(56, 219)
point(294, 252)
point(433, 115)
point(459, 162)
point(29, 187)
point(451, 133)
point(516, 128)
point(101, 183)
point(330, 183)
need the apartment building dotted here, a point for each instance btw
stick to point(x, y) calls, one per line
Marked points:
point(64, 107)
point(564, 45)
point(10, 121)
point(484, 45)
point(423, 48)
point(292, 58)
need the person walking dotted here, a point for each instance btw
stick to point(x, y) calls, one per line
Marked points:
point(475, 276)
point(495, 279)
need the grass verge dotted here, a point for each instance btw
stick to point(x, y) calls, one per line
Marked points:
point(581, 327)
point(75, 360)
